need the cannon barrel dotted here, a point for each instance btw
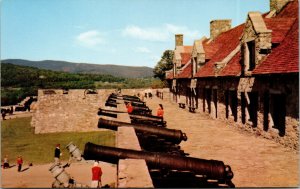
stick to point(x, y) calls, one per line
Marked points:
point(171, 135)
point(110, 104)
point(212, 169)
point(147, 117)
point(107, 113)
point(137, 108)
point(113, 111)
point(140, 103)
point(137, 100)
point(124, 97)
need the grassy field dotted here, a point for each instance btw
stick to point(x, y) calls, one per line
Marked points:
point(18, 138)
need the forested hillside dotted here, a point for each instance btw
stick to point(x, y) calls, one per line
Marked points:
point(17, 82)
point(115, 70)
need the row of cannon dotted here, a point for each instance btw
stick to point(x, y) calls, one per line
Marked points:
point(168, 165)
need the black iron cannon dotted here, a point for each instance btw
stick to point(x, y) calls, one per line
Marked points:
point(111, 104)
point(148, 119)
point(125, 97)
point(171, 135)
point(134, 103)
point(209, 169)
point(107, 113)
point(141, 110)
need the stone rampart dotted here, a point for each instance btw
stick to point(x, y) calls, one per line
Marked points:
point(74, 111)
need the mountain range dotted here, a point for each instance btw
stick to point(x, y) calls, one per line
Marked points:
point(71, 67)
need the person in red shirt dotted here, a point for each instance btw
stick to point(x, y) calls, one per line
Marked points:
point(160, 111)
point(19, 162)
point(96, 176)
point(129, 108)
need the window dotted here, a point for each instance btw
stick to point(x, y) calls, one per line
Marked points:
point(251, 49)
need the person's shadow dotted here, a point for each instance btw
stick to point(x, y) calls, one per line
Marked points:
point(11, 166)
point(24, 169)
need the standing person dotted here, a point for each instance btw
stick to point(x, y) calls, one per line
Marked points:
point(96, 176)
point(5, 162)
point(160, 111)
point(19, 163)
point(3, 115)
point(129, 108)
point(57, 154)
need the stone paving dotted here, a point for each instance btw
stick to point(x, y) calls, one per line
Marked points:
point(255, 161)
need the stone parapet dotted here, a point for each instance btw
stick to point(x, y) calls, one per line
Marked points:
point(128, 176)
point(132, 173)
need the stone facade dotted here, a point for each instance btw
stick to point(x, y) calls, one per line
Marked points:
point(255, 42)
point(249, 104)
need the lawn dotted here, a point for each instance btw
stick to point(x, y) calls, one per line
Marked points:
point(18, 138)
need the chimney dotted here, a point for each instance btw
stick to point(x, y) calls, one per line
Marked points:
point(277, 5)
point(178, 40)
point(219, 26)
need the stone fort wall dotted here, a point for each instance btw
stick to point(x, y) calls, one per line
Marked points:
point(74, 111)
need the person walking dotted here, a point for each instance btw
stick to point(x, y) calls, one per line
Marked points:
point(57, 154)
point(160, 111)
point(19, 163)
point(96, 176)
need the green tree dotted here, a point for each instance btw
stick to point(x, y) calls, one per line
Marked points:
point(165, 63)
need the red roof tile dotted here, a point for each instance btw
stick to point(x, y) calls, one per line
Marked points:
point(185, 57)
point(186, 72)
point(233, 67)
point(279, 27)
point(291, 10)
point(210, 48)
point(226, 43)
point(187, 49)
point(284, 58)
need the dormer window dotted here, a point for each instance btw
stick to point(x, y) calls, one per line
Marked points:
point(194, 61)
point(251, 52)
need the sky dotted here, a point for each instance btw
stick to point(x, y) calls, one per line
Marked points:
point(121, 32)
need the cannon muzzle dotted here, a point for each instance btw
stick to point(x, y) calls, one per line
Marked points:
point(171, 135)
point(211, 169)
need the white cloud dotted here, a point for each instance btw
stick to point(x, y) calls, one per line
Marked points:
point(91, 38)
point(142, 50)
point(173, 29)
point(148, 34)
point(161, 34)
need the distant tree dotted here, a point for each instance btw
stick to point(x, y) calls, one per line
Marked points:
point(165, 63)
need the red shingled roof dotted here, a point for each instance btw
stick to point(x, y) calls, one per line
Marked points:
point(279, 27)
point(187, 49)
point(210, 48)
point(284, 58)
point(185, 57)
point(186, 72)
point(233, 67)
point(291, 10)
point(227, 42)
